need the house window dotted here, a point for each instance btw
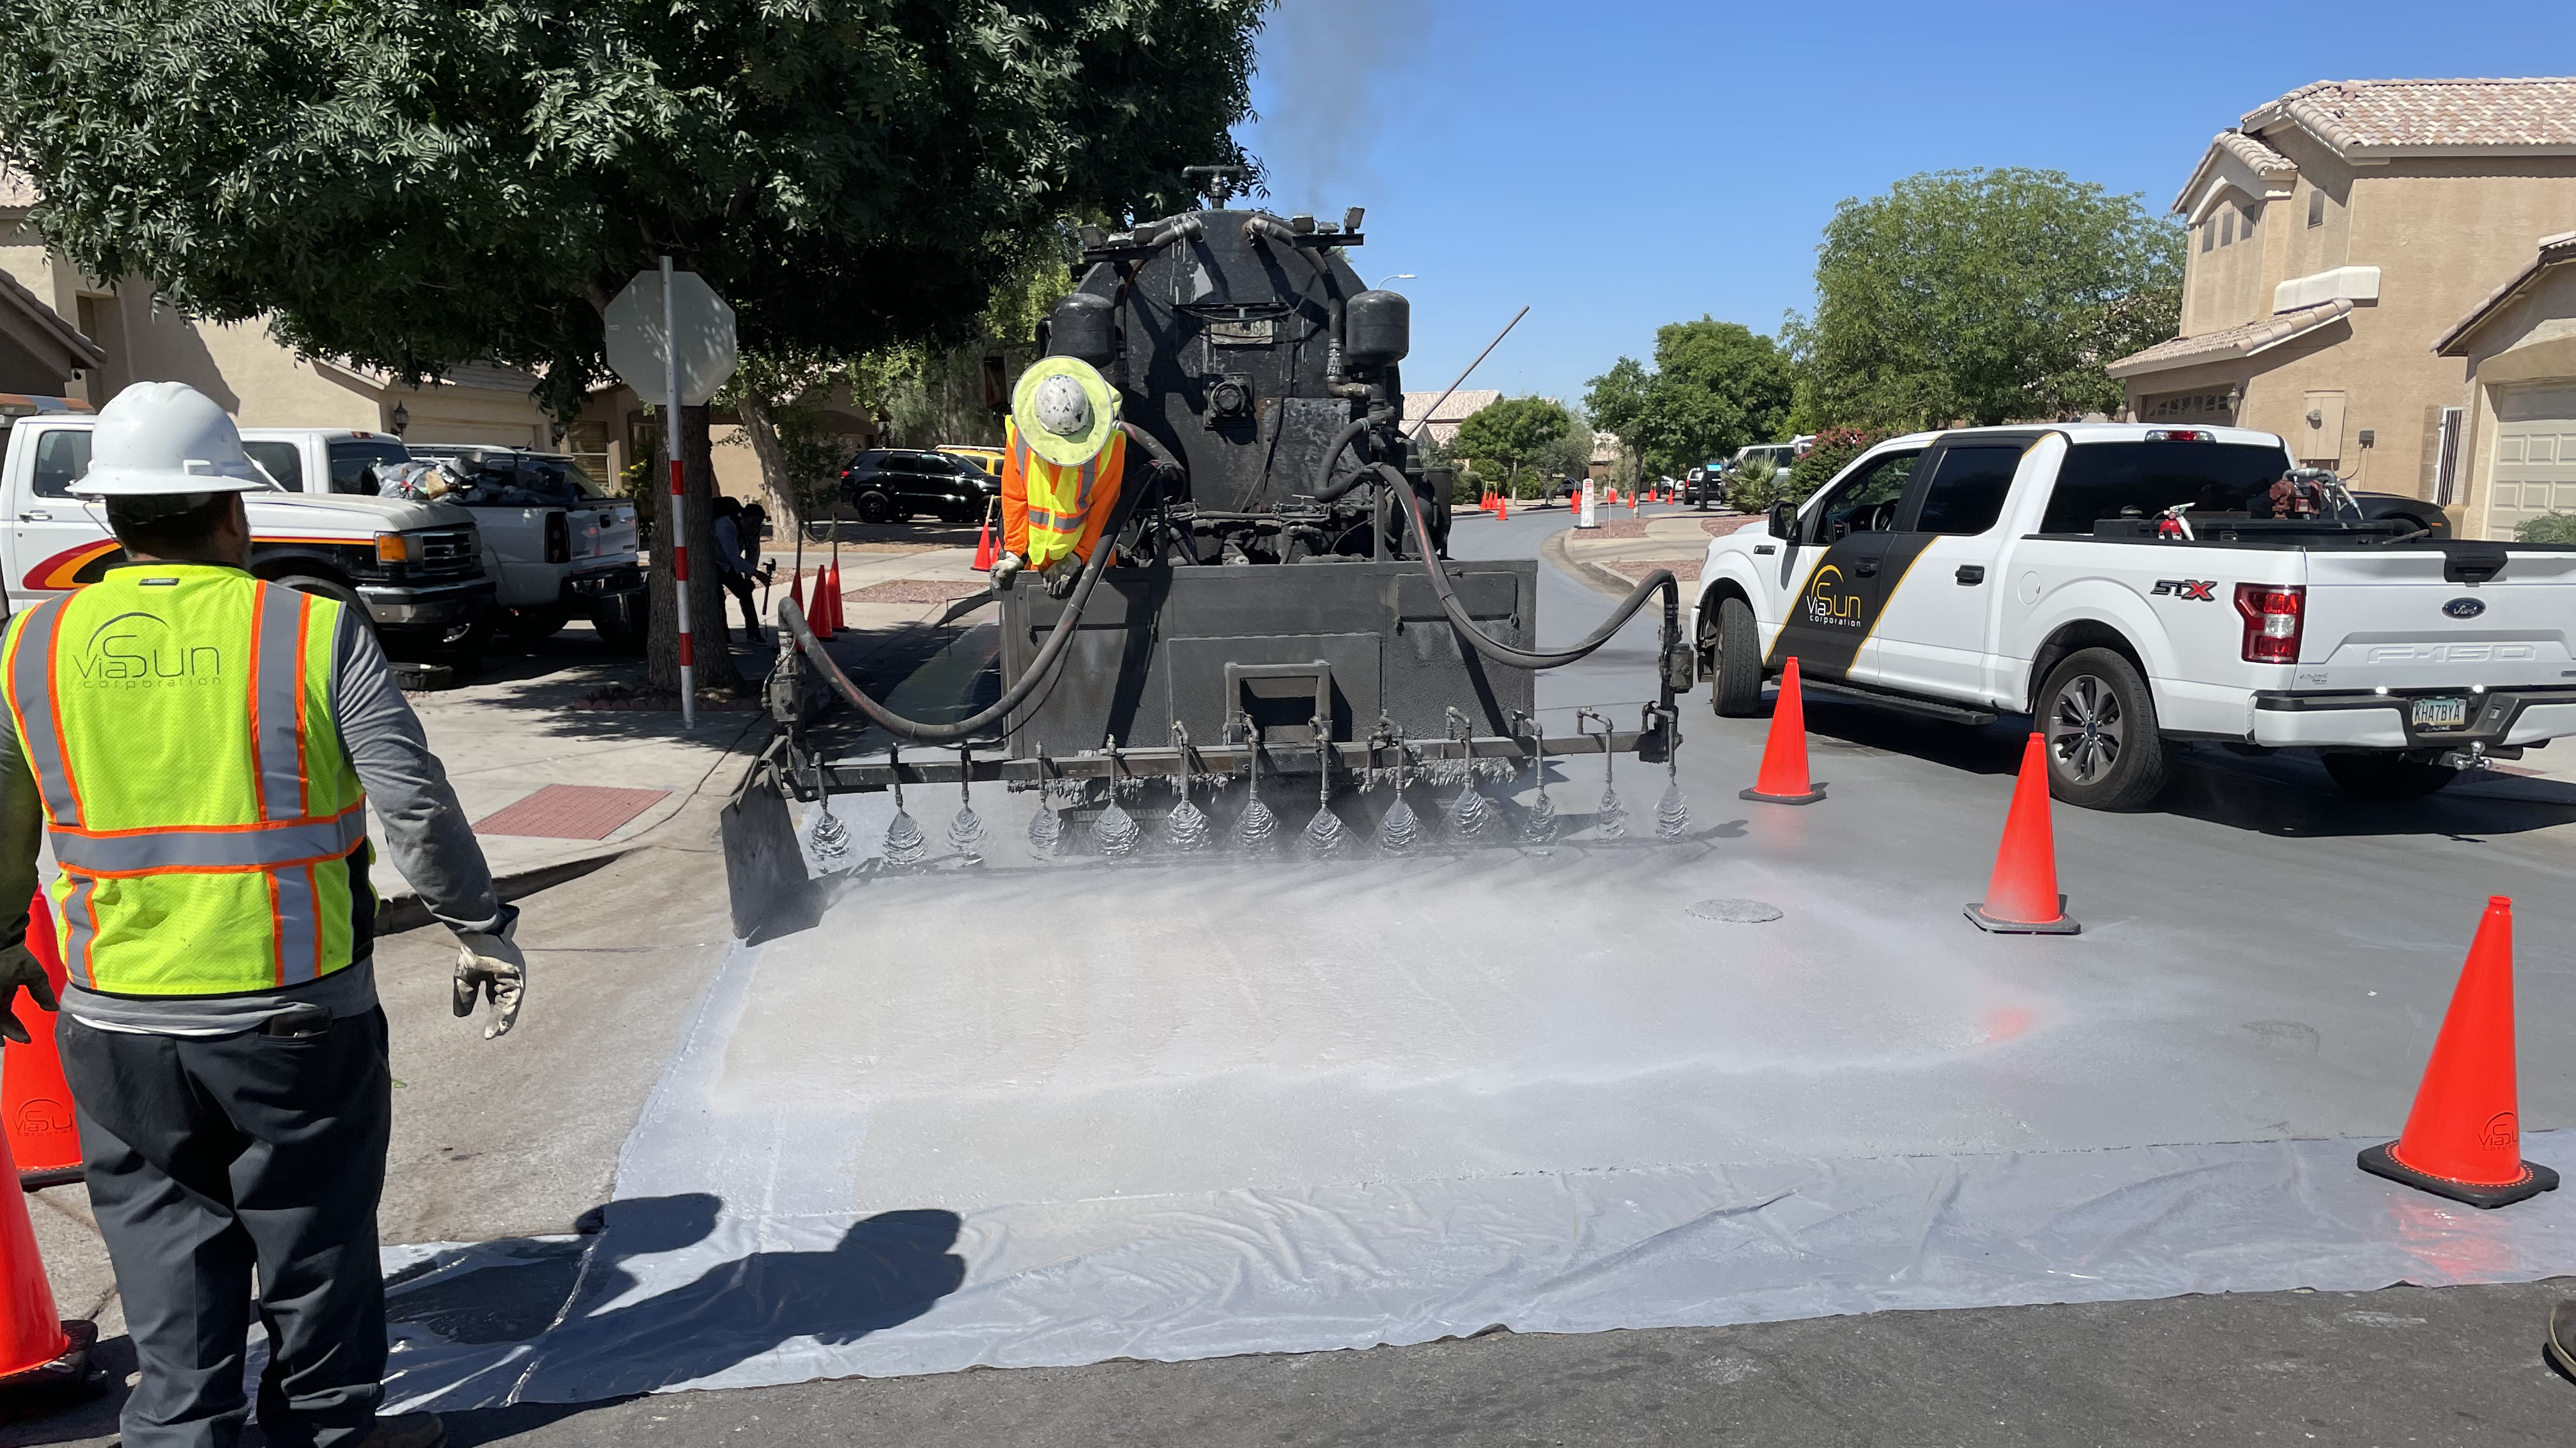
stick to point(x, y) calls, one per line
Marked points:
point(2316, 208)
point(2208, 235)
point(2227, 229)
point(2252, 214)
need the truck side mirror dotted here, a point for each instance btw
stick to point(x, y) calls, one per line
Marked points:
point(1784, 520)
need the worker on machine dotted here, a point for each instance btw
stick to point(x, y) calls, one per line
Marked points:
point(1063, 458)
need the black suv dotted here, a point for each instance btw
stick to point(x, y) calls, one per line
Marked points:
point(887, 485)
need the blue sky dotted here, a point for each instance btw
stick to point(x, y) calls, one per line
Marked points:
point(1625, 163)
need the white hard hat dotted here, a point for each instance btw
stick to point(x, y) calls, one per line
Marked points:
point(157, 438)
point(1062, 407)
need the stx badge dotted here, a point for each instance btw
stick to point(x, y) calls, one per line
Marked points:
point(2195, 589)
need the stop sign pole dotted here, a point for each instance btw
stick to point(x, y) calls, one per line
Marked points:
point(679, 505)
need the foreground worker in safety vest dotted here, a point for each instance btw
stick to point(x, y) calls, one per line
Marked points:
point(1062, 461)
point(203, 747)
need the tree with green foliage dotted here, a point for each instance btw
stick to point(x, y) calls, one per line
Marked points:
point(1511, 434)
point(1716, 386)
point(414, 184)
point(1983, 297)
point(1831, 452)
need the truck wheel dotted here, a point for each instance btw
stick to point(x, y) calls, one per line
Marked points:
point(2104, 750)
point(1735, 673)
point(331, 588)
point(532, 624)
point(2387, 775)
point(622, 620)
point(875, 508)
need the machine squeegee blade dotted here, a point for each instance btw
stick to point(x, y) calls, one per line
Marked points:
point(764, 869)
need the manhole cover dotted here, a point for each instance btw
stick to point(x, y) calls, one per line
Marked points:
point(1738, 912)
point(572, 812)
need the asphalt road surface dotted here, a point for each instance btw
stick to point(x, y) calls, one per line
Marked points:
point(2251, 876)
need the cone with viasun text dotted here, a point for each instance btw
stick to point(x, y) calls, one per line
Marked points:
point(35, 1101)
point(2021, 896)
point(2463, 1139)
point(1784, 754)
point(40, 1354)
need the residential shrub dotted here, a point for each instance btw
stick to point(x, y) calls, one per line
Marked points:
point(2551, 527)
point(1832, 451)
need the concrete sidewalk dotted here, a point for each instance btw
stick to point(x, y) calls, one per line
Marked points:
point(1613, 557)
point(523, 725)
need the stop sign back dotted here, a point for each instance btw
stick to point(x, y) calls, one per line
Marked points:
point(701, 322)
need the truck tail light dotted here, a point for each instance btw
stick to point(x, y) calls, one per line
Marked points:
point(2274, 615)
point(558, 539)
point(392, 548)
point(2179, 434)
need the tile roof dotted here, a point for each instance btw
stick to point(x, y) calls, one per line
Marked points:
point(2233, 342)
point(1461, 405)
point(79, 350)
point(2263, 159)
point(2554, 251)
point(2365, 116)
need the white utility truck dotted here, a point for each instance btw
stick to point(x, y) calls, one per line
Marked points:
point(556, 547)
point(2127, 586)
point(415, 568)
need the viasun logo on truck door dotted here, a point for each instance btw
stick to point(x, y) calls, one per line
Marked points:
point(1838, 606)
point(134, 651)
point(1828, 606)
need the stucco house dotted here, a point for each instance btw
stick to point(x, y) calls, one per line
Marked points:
point(114, 333)
point(2335, 235)
point(2518, 438)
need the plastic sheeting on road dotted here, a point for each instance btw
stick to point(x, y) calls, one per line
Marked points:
point(684, 1293)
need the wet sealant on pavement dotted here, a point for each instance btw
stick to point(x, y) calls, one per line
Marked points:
point(1054, 1108)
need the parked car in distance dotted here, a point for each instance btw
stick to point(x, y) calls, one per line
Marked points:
point(891, 485)
point(987, 458)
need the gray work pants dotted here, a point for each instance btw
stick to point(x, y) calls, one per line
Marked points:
point(207, 1156)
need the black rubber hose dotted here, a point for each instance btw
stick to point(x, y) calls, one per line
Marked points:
point(1661, 580)
point(1324, 491)
point(1040, 670)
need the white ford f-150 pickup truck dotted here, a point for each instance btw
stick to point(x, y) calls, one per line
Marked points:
point(2127, 586)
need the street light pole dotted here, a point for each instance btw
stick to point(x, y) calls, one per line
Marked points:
point(1397, 277)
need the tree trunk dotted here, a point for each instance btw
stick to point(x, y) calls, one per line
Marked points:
point(713, 650)
point(753, 409)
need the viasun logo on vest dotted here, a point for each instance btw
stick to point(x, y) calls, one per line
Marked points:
point(138, 650)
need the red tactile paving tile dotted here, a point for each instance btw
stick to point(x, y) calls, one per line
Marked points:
point(571, 812)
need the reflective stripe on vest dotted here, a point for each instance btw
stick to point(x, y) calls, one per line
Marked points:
point(208, 822)
point(1059, 497)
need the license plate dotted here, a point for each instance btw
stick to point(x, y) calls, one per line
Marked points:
point(2441, 713)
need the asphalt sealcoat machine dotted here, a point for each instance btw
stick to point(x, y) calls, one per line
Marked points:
point(1277, 655)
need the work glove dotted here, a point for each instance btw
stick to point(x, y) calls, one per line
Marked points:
point(492, 967)
point(1010, 564)
point(19, 967)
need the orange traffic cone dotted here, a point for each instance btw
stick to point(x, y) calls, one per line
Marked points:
point(984, 556)
point(820, 616)
point(2463, 1140)
point(35, 1102)
point(40, 1354)
point(796, 594)
point(2022, 898)
point(1503, 508)
point(1784, 755)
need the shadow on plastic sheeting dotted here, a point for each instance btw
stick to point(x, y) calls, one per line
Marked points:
point(556, 1298)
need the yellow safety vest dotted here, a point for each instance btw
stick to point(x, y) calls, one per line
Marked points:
point(1060, 498)
point(211, 830)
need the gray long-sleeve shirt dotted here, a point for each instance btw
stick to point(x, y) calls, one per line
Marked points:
point(425, 833)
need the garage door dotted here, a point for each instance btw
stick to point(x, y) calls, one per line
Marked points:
point(2535, 457)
